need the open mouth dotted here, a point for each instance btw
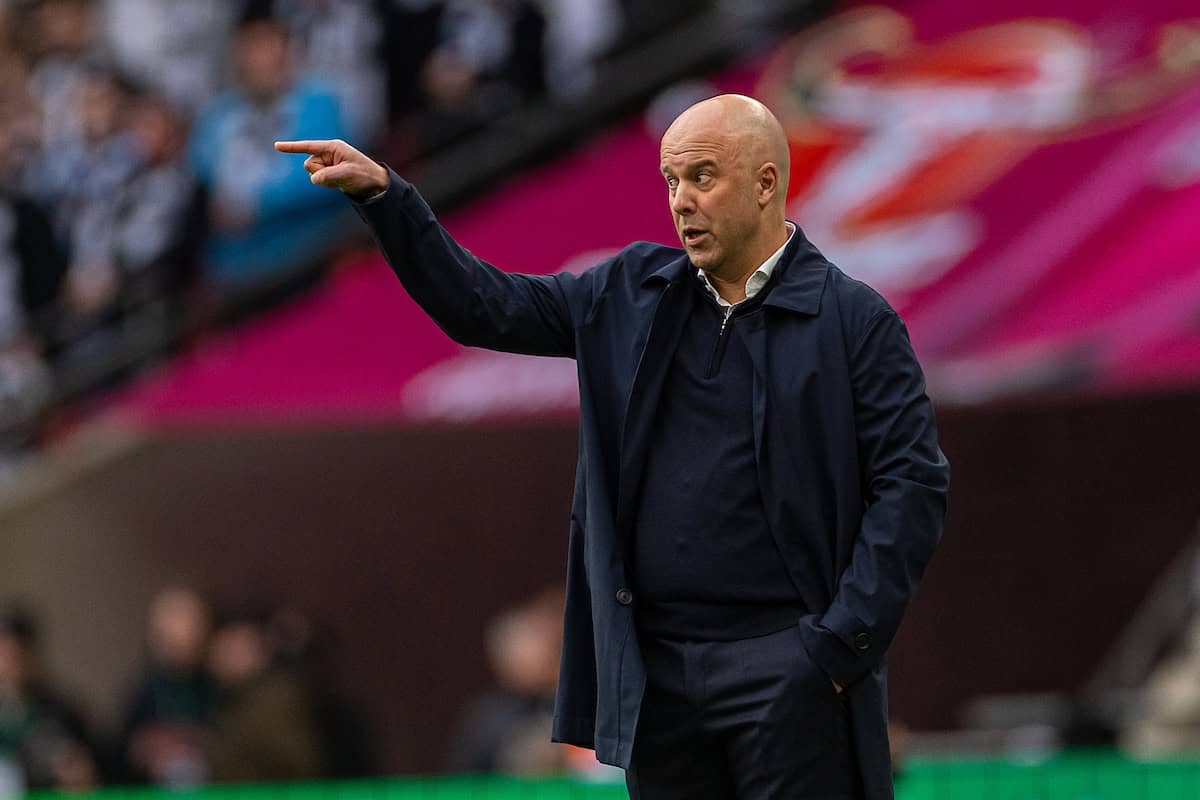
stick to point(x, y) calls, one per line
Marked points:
point(692, 236)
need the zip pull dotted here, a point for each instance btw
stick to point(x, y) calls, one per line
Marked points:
point(712, 361)
point(725, 321)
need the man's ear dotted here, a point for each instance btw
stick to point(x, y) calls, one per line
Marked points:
point(768, 183)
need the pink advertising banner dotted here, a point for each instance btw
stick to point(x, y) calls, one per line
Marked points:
point(1021, 180)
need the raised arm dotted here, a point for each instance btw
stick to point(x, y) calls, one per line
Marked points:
point(472, 301)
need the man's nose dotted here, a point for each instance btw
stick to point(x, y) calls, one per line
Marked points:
point(682, 202)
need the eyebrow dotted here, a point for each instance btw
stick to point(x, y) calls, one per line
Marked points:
point(701, 164)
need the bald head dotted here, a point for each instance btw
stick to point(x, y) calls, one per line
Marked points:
point(752, 133)
point(725, 161)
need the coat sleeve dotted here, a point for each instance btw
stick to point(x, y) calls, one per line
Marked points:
point(475, 303)
point(905, 479)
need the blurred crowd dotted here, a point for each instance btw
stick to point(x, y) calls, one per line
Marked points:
point(243, 695)
point(506, 729)
point(140, 199)
point(230, 697)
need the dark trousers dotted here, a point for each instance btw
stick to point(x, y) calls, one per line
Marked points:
point(752, 719)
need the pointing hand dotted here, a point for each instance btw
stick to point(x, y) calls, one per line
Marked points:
point(336, 165)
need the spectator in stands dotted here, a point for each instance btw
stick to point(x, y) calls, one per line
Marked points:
point(300, 647)
point(268, 226)
point(410, 29)
point(578, 32)
point(265, 727)
point(488, 58)
point(134, 232)
point(341, 41)
point(177, 47)
point(31, 270)
point(156, 228)
point(59, 38)
point(104, 158)
point(19, 115)
point(162, 737)
point(508, 729)
point(43, 741)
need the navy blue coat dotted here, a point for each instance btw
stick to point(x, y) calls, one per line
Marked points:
point(850, 471)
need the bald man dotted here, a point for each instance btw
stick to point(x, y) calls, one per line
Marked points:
point(759, 486)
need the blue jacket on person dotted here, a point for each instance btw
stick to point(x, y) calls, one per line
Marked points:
point(288, 222)
point(851, 475)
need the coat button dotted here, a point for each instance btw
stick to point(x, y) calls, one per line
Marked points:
point(862, 642)
point(624, 597)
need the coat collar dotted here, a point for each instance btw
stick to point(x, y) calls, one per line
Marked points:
point(801, 271)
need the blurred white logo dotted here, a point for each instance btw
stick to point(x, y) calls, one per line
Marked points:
point(1177, 164)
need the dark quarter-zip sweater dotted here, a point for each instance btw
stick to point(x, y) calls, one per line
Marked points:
point(705, 565)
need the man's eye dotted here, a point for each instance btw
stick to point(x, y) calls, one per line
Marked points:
point(703, 178)
point(672, 182)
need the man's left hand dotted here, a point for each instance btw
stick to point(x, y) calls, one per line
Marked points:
point(837, 686)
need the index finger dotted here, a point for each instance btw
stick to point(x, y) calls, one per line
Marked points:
point(309, 146)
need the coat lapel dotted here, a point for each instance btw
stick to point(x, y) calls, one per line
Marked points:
point(801, 283)
point(670, 315)
point(798, 292)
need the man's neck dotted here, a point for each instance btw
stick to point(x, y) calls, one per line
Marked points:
point(733, 289)
point(731, 292)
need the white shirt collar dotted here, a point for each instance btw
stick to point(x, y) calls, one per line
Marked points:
point(757, 280)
